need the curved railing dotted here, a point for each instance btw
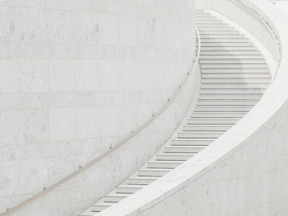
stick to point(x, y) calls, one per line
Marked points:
point(117, 146)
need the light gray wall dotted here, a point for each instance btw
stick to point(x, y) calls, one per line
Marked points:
point(76, 76)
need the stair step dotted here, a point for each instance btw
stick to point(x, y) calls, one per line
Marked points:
point(235, 80)
point(216, 33)
point(183, 149)
point(207, 52)
point(204, 14)
point(140, 180)
point(114, 198)
point(233, 66)
point(238, 58)
point(206, 128)
point(230, 48)
point(204, 17)
point(223, 108)
point(223, 28)
point(88, 212)
point(218, 114)
point(162, 164)
point(199, 135)
point(234, 76)
point(224, 40)
point(225, 44)
point(152, 172)
point(173, 156)
point(212, 25)
point(233, 91)
point(231, 61)
point(233, 85)
point(230, 96)
point(222, 36)
point(209, 21)
point(191, 142)
point(233, 70)
point(98, 207)
point(128, 189)
point(211, 121)
point(226, 102)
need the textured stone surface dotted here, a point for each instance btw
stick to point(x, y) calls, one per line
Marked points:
point(76, 77)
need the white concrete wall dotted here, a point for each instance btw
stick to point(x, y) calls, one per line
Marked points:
point(76, 76)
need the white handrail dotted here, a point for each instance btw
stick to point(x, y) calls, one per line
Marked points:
point(121, 143)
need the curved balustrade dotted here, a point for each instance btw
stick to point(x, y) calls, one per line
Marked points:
point(133, 134)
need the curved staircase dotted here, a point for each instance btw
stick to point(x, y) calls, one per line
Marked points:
point(234, 76)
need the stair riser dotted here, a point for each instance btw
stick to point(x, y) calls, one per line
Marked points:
point(218, 29)
point(222, 29)
point(237, 76)
point(139, 181)
point(111, 199)
point(209, 128)
point(222, 109)
point(233, 70)
point(203, 14)
point(212, 25)
point(152, 173)
point(208, 121)
point(216, 33)
point(98, 208)
point(182, 150)
point(191, 142)
point(157, 165)
point(172, 158)
point(226, 103)
point(123, 190)
point(223, 36)
point(233, 53)
point(230, 96)
point(230, 44)
point(209, 21)
point(225, 49)
point(220, 58)
point(235, 81)
point(218, 115)
point(234, 91)
point(234, 86)
point(231, 61)
point(224, 40)
point(233, 66)
point(199, 135)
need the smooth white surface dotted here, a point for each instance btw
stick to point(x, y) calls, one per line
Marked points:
point(76, 77)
